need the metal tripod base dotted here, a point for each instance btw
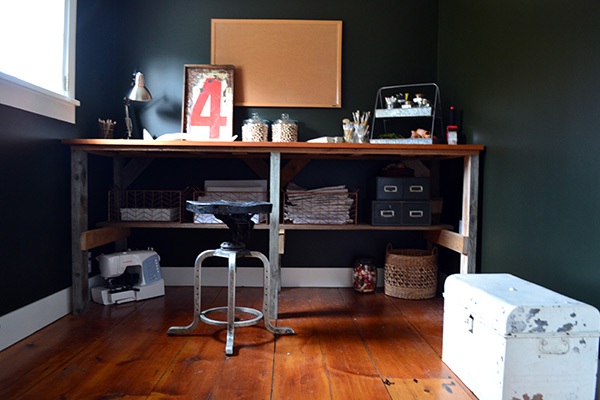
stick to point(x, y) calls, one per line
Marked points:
point(247, 322)
point(232, 255)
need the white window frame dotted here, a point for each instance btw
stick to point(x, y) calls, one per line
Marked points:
point(19, 94)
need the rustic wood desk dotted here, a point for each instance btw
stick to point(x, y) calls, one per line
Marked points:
point(130, 157)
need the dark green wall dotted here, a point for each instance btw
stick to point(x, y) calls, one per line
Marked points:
point(524, 75)
point(159, 38)
point(34, 208)
point(114, 38)
point(527, 76)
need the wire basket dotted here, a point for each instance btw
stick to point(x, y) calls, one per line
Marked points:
point(211, 196)
point(410, 274)
point(145, 205)
point(320, 208)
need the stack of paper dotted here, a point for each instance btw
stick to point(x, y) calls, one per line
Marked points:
point(241, 190)
point(328, 205)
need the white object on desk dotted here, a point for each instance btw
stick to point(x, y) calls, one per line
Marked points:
point(327, 139)
point(191, 137)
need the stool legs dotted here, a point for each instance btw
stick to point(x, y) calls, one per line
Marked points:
point(266, 296)
point(231, 303)
point(178, 330)
point(232, 257)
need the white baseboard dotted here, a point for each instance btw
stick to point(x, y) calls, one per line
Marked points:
point(19, 324)
point(252, 277)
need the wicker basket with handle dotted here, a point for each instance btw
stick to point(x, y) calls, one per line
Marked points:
point(410, 274)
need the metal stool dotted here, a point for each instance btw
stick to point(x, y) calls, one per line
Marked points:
point(237, 216)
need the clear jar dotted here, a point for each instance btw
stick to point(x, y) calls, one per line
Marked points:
point(365, 275)
point(255, 129)
point(285, 129)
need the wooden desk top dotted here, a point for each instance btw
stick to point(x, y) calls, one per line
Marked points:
point(157, 148)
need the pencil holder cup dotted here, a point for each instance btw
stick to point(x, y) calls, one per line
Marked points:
point(106, 128)
point(361, 133)
point(106, 133)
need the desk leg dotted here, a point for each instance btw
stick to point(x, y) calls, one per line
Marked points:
point(119, 182)
point(274, 190)
point(79, 224)
point(468, 263)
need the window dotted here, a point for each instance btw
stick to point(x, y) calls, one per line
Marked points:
point(37, 56)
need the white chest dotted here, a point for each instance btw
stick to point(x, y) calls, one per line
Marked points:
point(509, 339)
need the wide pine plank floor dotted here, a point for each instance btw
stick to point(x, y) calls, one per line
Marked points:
point(348, 346)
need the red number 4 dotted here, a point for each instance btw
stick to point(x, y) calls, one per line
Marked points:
point(210, 90)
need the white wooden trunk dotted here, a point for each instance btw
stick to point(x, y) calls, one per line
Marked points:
point(509, 339)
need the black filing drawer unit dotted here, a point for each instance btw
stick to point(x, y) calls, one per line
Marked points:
point(392, 188)
point(408, 213)
point(386, 213)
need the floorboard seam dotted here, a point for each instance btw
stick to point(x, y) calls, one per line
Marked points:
point(167, 368)
point(273, 364)
point(362, 339)
point(413, 327)
point(325, 365)
point(83, 349)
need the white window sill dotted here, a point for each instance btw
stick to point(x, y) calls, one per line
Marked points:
point(25, 96)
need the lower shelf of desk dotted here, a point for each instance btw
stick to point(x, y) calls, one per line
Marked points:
point(439, 234)
point(295, 227)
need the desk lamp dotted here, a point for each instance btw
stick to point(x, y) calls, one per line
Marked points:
point(138, 93)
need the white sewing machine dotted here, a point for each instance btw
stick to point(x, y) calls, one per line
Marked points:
point(131, 275)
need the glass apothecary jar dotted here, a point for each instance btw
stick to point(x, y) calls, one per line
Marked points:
point(285, 129)
point(365, 275)
point(255, 129)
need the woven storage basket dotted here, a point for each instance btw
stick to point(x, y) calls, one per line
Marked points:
point(410, 274)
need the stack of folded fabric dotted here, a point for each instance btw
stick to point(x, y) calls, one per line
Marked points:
point(232, 190)
point(327, 205)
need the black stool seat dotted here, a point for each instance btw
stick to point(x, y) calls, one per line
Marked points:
point(229, 207)
point(236, 215)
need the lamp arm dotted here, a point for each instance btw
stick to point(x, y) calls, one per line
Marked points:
point(128, 124)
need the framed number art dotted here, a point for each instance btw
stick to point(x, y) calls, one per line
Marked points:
point(208, 102)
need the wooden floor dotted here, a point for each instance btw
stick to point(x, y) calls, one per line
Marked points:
point(348, 346)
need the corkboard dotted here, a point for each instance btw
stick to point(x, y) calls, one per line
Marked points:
point(281, 63)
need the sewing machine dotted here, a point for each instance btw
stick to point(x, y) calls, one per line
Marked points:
point(131, 276)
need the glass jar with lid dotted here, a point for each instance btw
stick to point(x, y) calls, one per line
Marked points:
point(255, 129)
point(285, 129)
point(365, 275)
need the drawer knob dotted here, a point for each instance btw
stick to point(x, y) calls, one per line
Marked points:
point(416, 189)
point(390, 189)
point(387, 213)
point(415, 213)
